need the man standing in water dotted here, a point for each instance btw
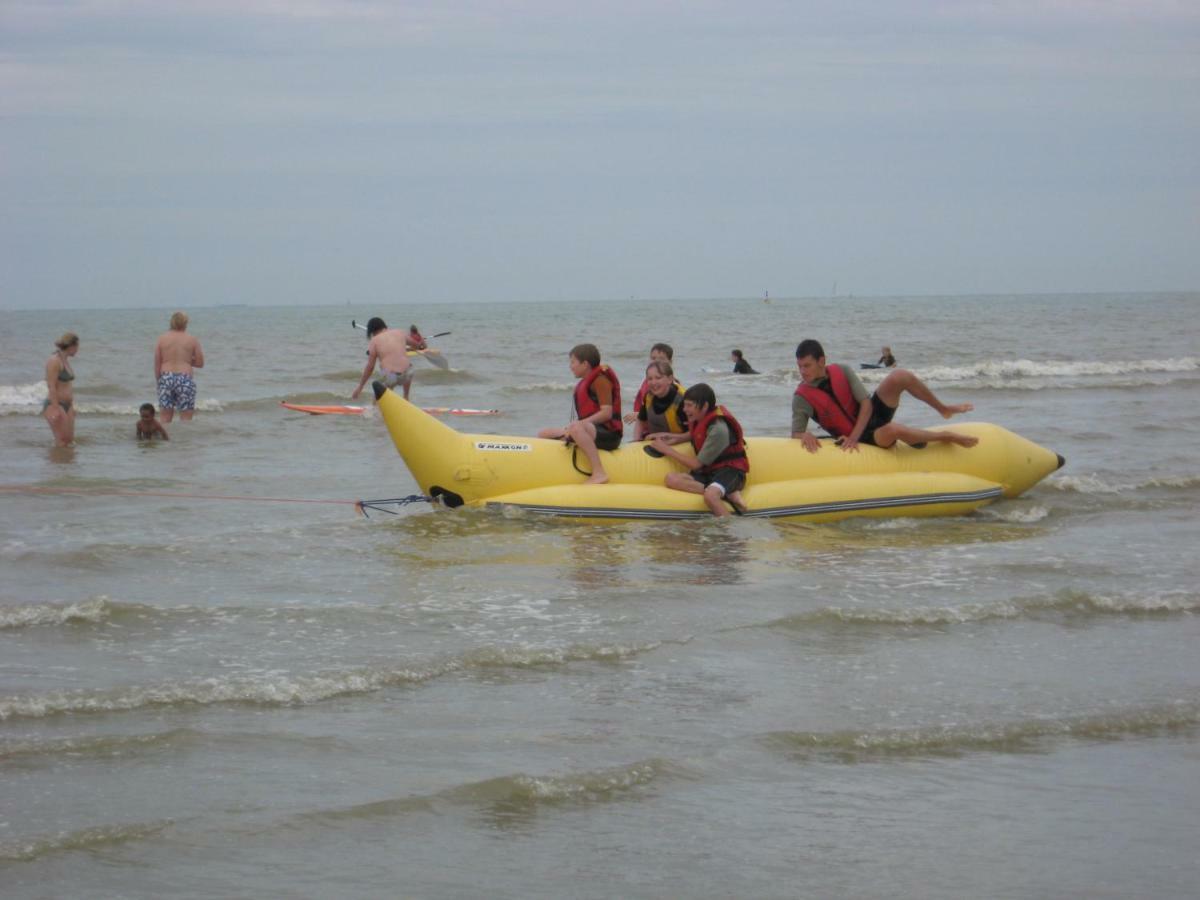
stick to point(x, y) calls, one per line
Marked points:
point(388, 347)
point(176, 357)
point(835, 397)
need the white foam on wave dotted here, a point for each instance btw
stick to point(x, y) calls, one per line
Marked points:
point(1094, 484)
point(26, 399)
point(1018, 369)
point(1018, 515)
point(22, 398)
point(539, 386)
point(95, 609)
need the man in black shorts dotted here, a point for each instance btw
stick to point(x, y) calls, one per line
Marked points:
point(834, 396)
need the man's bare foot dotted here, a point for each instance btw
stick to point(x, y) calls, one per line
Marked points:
point(963, 440)
point(598, 478)
point(739, 505)
point(955, 409)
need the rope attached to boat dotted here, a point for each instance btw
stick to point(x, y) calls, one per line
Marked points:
point(360, 506)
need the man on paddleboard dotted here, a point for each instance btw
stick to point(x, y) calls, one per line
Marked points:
point(389, 348)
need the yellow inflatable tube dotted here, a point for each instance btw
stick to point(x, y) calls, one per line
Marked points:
point(785, 479)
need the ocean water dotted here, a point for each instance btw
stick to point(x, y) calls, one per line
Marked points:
point(217, 680)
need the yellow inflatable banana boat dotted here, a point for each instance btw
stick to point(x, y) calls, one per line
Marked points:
point(785, 480)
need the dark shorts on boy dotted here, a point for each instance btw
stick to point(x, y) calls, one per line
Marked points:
point(881, 414)
point(728, 478)
point(607, 439)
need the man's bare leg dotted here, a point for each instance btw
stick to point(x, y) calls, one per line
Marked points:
point(887, 435)
point(903, 381)
point(584, 436)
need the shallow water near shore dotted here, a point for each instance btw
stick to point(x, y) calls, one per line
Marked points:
point(217, 680)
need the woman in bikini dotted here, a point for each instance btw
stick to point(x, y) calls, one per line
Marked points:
point(59, 406)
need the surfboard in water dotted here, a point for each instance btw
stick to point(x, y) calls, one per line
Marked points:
point(359, 410)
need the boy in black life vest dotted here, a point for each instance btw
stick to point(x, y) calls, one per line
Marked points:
point(718, 470)
point(597, 425)
point(834, 396)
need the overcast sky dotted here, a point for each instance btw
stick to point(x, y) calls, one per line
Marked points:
point(266, 151)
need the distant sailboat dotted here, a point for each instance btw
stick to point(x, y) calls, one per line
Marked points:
point(766, 296)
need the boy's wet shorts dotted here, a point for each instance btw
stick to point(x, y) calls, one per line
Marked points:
point(881, 414)
point(728, 479)
point(176, 391)
point(397, 379)
point(607, 439)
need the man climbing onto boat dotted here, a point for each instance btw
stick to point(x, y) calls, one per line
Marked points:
point(719, 468)
point(834, 396)
point(388, 347)
point(597, 424)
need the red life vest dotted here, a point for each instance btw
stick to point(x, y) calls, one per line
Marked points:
point(733, 456)
point(586, 403)
point(641, 393)
point(834, 406)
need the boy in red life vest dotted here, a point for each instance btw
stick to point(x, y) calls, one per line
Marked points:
point(658, 353)
point(834, 396)
point(718, 470)
point(597, 425)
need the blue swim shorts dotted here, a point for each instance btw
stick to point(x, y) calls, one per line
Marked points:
point(176, 391)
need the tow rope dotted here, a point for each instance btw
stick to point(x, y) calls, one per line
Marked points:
point(360, 506)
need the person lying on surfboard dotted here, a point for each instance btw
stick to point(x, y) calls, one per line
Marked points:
point(388, 347)
point(834, 396)
point(597, 424)
point(741, 366)
point(719, 468)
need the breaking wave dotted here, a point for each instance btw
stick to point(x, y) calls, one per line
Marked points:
point(519, 793)
point(83, 839)
point(279, 689)
point(1094, 484)
point(1026, 736)
point(1060, 604)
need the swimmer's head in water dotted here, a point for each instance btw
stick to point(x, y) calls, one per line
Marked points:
point(146, 411)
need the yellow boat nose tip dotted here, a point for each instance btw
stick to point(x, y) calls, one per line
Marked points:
point(379, 389)
point(1062, 460)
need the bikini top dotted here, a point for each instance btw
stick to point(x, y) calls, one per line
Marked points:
point(65, 373)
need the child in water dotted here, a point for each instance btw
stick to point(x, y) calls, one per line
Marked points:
point(148, 426)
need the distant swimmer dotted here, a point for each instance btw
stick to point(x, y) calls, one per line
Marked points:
point(660, 351)
point(58, 408)
point(834, 396)
point(149, 427)
point(597, 424)
point(740, 366)
point(661, 411)
point(719, 468)
point(389, 348)
point(176, 357)
point(886, 360)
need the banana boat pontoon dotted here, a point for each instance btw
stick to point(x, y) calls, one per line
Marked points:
point(546, 476)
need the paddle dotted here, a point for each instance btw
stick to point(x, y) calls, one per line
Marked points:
point(354, 324)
